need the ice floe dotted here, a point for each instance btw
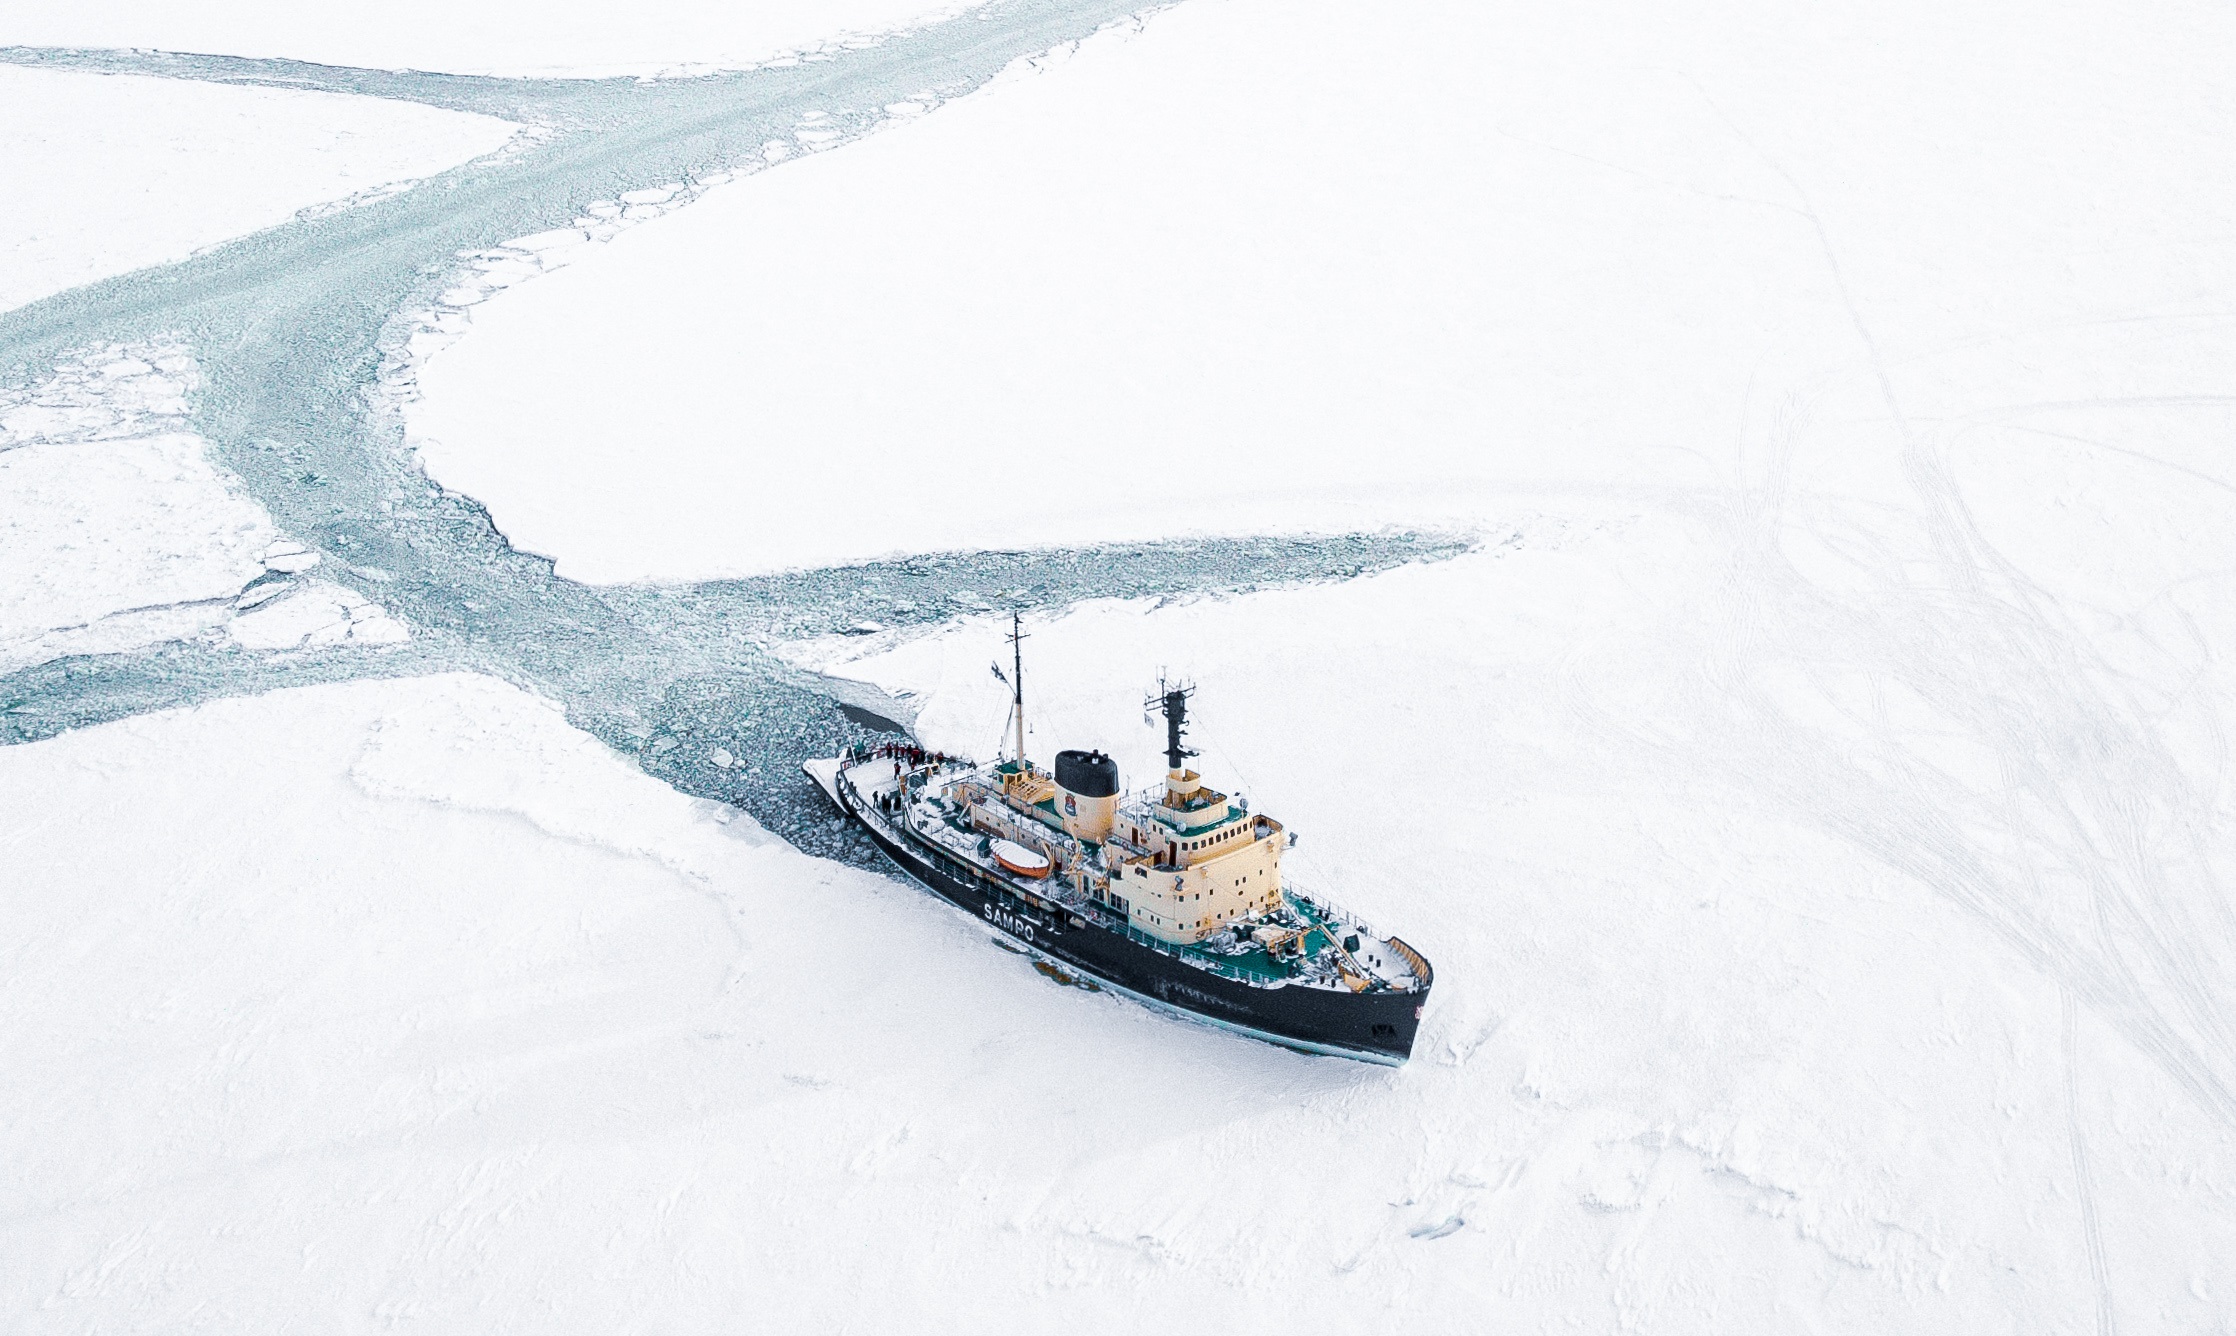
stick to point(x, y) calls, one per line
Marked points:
point(315, 616)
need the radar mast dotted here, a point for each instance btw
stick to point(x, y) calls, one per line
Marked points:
point(1171, 699)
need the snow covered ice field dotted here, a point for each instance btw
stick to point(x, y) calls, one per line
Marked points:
point(502, 37)
point(1375, 263)
point(1808, 782)
point(1704, 1056)
point(109, 173)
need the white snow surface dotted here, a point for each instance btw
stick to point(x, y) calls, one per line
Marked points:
point(1779, 984)
point(1313, 264)
point(1811, 796)
point(434, 1009)
point(506, 37)
point(105, 174)
point(112, 545)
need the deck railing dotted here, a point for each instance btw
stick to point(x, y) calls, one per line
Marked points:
point(1320, 920)
point(1201, 961)
point(1415, 959)
point(1325, 908)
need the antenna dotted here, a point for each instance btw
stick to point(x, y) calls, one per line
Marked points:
point(1171, 699)
point(1017, 640)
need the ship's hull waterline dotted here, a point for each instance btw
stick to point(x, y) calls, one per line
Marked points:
point(1372, 1027)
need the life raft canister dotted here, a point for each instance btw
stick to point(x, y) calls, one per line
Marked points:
point(1020, 860)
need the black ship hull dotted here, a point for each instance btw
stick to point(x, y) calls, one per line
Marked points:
point(1372, 1026)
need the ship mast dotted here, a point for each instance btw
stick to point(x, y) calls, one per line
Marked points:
point(1017, 682)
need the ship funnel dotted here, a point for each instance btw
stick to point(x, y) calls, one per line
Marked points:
point(1087, 793)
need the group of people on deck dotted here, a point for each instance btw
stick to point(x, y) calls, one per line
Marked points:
point(911, 756)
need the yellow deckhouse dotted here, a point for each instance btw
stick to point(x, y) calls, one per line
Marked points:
point(1190, 860)
point(1179, 864)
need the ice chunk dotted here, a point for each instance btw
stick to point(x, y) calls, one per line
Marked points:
point(316, 615)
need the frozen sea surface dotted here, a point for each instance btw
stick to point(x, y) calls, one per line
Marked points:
point(1349, 263)
point(482, 36)
point(105, 174)
point(1819, 836)
point(1725, 986)
point(443, 1009)
point(303, 338)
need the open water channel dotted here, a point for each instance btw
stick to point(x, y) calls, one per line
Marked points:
point(291, 328)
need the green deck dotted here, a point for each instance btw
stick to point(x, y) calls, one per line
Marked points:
point(1232, 816)
point(1258, 964)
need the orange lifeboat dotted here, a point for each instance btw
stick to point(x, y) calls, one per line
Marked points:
point(1021, 860)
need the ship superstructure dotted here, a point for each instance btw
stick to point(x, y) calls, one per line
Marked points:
point(1173, 894)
